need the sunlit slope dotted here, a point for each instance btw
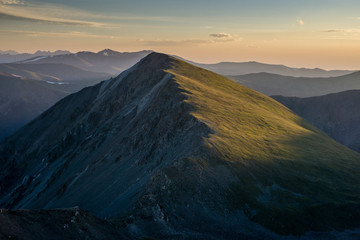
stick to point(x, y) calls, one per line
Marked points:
point(285, 168)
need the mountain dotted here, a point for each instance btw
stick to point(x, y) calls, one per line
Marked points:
point(51, 72)
point(55, 224)
point(243, 68)
point(13, 56)
point(172, 151)
point(272, 84)
point(336, 114)
point(10, 52)
point(23, 99)
point(107, 60)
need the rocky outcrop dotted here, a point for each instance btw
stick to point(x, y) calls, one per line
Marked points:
point(71, 223)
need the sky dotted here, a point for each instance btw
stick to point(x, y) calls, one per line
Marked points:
point(297, 33)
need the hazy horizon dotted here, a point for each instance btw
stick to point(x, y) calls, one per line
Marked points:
point(321, 34)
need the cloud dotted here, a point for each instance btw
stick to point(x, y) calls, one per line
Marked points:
point(224, 37)
point(220, 35)
point(12, 2)
point(8, 16)
point(300, 21)
point(167, 42)
point(65, 34)
point(345, 31)
point(333, 31)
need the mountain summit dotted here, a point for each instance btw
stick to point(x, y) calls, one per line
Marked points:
point(169, 149)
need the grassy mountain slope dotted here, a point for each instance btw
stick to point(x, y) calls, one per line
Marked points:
point(272, 84)
point(336, 114)
point(171, 149)
point(275, 150)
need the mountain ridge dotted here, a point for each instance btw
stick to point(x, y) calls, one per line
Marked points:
point(274, 84)
point(243, 68)
point(11, 56)
point(166, 145)
point(107, 60)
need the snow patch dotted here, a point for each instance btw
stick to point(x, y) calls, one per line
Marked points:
point(18, 76)
point(58, 83)
point(35, 59)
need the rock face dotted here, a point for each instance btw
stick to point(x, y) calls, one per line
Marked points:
point(55, 224)
point(336, 114)
point(170, 150)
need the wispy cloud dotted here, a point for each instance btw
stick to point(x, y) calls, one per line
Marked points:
point(356, 31)
point(342, 34)
point(220, 35)
point(224, 37)
point(167, 42)
point(21, 10)
point(7, 16)
point(333, 31)
point(12, 2)
point(65, 34)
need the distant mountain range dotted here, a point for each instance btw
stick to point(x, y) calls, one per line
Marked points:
point(13, 56)
point(107, 60)
point(53, 72)
point(114, 62)
point(172, 151)
point(273, 84)
point(336, 114)
point(242, 68)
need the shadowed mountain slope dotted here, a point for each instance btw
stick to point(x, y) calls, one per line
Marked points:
point(336, 114)
point(172, 150)
point(272, 84)
point(21, 100)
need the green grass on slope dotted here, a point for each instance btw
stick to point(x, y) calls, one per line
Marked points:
point(287, 169)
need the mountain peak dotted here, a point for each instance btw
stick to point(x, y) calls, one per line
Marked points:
point(168, 144)
point(107, 52)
